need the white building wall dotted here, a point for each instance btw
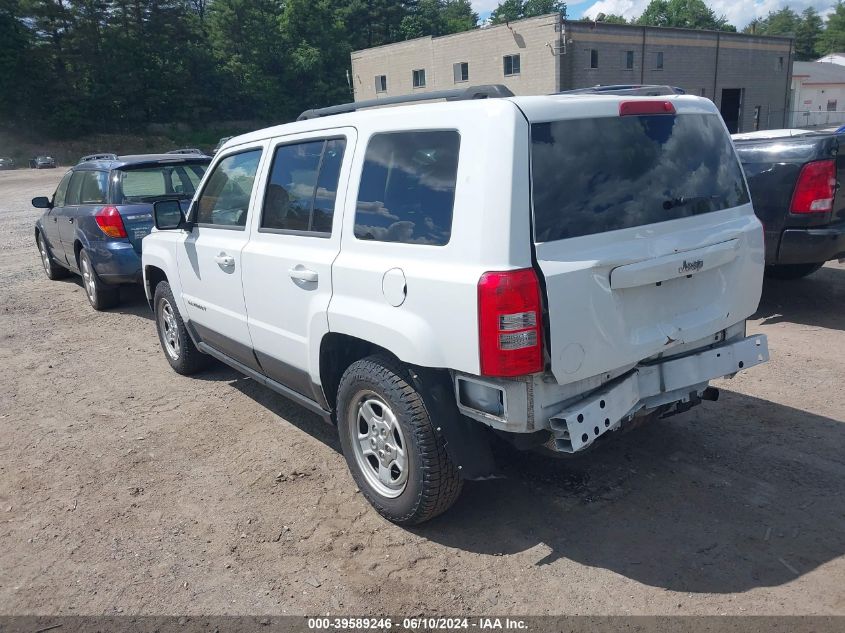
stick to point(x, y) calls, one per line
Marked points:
point(817, 105)
point(833, 58)
point(532, 39)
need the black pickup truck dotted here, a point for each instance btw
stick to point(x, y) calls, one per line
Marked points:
point(794, 178)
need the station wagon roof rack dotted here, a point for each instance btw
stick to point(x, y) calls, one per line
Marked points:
point(642, 90)
point(187, 150)
point(104, 156)
point(491, 91)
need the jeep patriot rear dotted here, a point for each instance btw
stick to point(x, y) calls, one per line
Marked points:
point(547, 268)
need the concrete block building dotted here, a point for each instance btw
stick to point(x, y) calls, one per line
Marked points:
point(747, 76)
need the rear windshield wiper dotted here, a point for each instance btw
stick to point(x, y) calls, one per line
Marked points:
point(683, 200)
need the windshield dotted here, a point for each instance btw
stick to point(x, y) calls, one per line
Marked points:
point(149, 184)
point(603, 174)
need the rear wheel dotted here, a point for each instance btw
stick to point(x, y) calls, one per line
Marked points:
point(179, 349)
point(101, 296)
point(53, 270)
point(792, 271)
point(390, 444)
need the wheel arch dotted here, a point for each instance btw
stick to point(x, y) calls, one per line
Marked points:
point(153, 276)
point(337, 352)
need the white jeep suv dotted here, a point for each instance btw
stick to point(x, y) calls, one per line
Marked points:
point(548, 268)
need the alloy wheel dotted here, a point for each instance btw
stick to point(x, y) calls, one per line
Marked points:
point(169, 329)
point(379, 444)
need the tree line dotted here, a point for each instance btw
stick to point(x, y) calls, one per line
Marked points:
point(814, 36)
point(69, 67)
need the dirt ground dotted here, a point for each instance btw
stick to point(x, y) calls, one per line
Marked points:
point(125, 488)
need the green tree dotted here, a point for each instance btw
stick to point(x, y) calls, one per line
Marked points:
point(807, 34)
point(687, 14)
point(15, 61)
point(781, 22)
point(832, 39)
point(609, 18)
point(459, 16)
point(510, 10)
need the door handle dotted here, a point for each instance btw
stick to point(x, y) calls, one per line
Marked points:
point(224, 260)
point(303, 274)
point(70, 220)
point(55, 219)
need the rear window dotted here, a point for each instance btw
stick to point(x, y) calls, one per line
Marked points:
point(149, 184)
point(603, 174)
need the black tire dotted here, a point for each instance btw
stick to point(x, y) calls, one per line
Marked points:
point(792, 271)
point(100, 295)
point(179, 349)
point(431, 484)
point(51, 268)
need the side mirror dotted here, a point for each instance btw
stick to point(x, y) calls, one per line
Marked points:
point(42, 202)
point(168, 215)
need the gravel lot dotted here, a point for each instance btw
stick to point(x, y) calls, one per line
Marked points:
point(125, 488)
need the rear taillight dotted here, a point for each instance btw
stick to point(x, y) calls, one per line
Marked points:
point(815, 189)
point(510, 323)
point(110, 222)
point(638, 108)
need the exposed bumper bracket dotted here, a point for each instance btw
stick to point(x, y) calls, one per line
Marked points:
point(649, 386)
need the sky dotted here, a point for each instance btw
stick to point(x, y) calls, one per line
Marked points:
point(738, 12)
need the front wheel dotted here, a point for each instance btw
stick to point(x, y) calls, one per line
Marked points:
point(179, 349)
point(101, 296)
point(53, 270)
point(390, 444)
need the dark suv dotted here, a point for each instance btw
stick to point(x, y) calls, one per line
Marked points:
point(102, 209)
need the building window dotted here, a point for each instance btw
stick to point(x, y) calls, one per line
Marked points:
point(629, 60)
point(594, 58)
point(658, 62)
point(419, 78)
point(831, 105)
point(511, 65)
point(780, 63)
point(381, 83)
point(702, 92)
point(460, 71)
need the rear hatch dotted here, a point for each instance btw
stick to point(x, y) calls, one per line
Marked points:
point(644, 232)
point(137, 187)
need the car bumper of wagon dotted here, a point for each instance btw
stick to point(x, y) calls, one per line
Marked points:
point(116, 262)
point(812, 246)
point(578, 421)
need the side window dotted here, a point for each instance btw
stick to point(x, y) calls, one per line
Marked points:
point(61, 191)
point(302, 188)
point(225, 198)
point(407, 190)
point(94, 187)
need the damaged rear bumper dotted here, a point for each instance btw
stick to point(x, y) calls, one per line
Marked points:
point(576, 420)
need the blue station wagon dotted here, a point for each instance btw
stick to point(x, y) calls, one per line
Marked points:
point(102, 209)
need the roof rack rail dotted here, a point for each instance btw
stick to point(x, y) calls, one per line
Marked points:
point(491, 91)
point(103, 156)
point(643, 90)
point(187, 150)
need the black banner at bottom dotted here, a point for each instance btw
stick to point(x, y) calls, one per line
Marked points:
point(402, 624)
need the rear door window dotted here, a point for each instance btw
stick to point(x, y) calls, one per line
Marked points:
point(407, 190)
point(94, 188)
point(302, 187)
point(603, 174)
